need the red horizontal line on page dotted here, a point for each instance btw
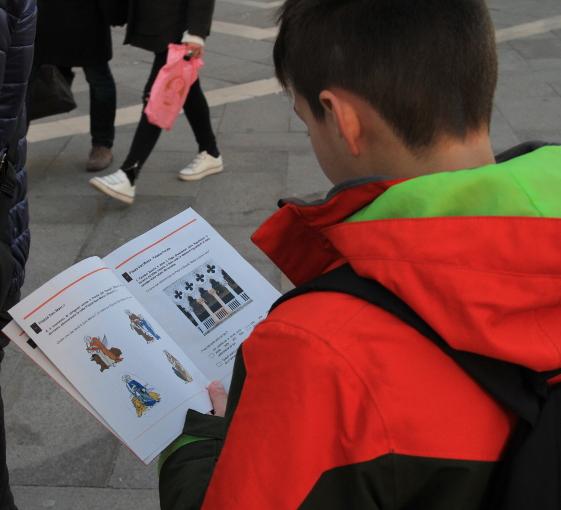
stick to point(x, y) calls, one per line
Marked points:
point(63, 290)
point(155, 243)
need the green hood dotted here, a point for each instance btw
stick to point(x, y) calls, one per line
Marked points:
point(529, 185)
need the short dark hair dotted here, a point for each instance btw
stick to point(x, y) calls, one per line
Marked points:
point(429, 67)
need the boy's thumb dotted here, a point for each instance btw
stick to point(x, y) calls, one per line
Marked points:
point(218, 397)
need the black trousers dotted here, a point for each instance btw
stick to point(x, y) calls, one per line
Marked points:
point(103, 101)
point(197, 113)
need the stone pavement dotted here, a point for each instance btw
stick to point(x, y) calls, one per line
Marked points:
point(60, 458)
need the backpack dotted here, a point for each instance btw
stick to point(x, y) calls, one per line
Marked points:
point(529, 473)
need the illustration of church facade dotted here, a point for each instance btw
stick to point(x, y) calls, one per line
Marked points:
point(207, 296)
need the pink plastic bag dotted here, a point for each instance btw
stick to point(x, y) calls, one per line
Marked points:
point(171, 87)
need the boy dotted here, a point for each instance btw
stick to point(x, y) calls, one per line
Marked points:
point(335, 403)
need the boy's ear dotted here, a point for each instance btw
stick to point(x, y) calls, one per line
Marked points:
point(345, 117)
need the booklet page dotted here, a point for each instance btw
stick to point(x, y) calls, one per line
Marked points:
point(196, 284)
point(116, 355)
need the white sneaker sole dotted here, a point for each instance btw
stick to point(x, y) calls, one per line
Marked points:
point(100, 186)
point(196, 177)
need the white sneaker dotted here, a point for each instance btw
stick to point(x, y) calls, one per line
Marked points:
point(116, 185)
point(204, 164)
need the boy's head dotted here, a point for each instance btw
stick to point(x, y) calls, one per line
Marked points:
point(387, 81)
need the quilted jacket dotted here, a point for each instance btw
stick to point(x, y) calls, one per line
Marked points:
point(17, 33)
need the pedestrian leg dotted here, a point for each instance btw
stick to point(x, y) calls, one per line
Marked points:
point(103, 105)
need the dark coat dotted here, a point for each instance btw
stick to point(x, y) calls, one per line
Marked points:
point(17, 32)
point(73, 33)
point(153, 24)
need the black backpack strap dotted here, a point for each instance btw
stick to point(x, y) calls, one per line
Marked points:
point(516, 387)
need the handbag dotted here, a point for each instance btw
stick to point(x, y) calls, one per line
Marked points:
point(171, 87)
point(50, 93)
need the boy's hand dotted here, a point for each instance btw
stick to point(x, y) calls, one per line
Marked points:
point(194, 50)
point(218, 397)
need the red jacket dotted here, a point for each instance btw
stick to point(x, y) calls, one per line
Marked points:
point(342, 405)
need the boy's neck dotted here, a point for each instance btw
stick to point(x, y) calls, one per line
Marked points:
point(473, 152)
point(448, 155)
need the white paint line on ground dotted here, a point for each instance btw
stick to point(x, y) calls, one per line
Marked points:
point(245, 31)
point(131, 114)
point(528, 29)
point(257, 5)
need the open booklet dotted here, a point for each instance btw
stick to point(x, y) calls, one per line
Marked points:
point(137, 336)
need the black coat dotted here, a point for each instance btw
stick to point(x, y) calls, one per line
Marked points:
point(73, 33)
point(153, 24)
point(17, 26)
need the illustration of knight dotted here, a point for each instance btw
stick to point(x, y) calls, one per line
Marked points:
point(101, 354)
point(178, 368)
point(234, 286)
point(143, 398)
point(142, 327)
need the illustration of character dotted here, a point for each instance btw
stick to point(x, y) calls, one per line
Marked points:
point(142, 327)
point(101, 354)
point(178, 369)
point(143, 398)
point(234, 286)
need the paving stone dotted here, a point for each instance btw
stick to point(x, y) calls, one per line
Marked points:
point(129, 473)
point(239, 199)
point(68, 498)
point(503, 136)
point(232, 13)
point(514, 12)
point(229, 45)
point(538, 47)
point(296, 124)
point(513, 86)
point(240, 239)
point(511, 60)
point(54, 247)
point(532, 114)
point(120, 223)
point(51, 437)
point(264, 142)
point(165, 184)
point(266, 114)
point(304, 175)
point(235, 70)
point(239, 161)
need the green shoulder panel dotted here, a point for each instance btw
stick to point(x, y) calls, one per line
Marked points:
point(529, 186)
